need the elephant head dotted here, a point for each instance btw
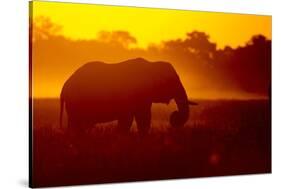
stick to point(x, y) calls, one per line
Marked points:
point(170, 87)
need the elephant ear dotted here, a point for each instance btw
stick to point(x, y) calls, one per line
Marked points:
point(177, 119)
point(162, 81)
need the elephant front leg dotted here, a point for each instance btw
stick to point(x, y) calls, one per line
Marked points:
point(143, 119)
point(124, 123)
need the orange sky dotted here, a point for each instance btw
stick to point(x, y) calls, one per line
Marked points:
point(53, 61)
point(151, 25)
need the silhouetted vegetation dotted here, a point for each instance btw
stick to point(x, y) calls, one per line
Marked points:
point(201, 65)
point(246, 68)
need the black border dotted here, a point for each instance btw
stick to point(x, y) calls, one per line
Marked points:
point(30, 133)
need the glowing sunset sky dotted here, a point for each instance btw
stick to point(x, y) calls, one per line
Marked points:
point(148, 25)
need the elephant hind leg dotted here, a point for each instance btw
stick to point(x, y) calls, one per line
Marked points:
point(143, 119)
point(75, 130)
point(73, 125)
point(125, 123)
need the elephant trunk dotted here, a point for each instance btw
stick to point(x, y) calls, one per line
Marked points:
point(179, 118)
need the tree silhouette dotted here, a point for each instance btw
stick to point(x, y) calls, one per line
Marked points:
point(117, 37)
point(44, 28)
point(198, 44)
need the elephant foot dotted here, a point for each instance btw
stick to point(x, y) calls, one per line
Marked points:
point(143, 120)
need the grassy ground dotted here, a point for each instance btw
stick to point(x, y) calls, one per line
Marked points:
point(221, 138)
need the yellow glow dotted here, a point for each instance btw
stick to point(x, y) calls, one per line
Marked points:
point(55, 59)
point(148, 25)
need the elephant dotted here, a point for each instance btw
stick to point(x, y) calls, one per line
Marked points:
point(99, 92)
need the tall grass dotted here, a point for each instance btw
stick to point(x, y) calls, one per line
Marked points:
point(221, 138)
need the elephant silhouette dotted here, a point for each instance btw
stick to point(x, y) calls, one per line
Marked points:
point(99, 92)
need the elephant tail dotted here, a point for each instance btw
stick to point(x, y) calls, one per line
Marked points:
point(61, 109)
